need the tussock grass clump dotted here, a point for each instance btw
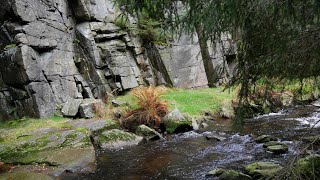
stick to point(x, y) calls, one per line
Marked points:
point(151, 108)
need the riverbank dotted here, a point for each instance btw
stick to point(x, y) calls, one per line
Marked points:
point(56, 146)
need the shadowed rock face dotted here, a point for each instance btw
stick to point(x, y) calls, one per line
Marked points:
point(55, 51)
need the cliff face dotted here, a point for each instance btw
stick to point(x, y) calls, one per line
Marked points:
point(54, 52)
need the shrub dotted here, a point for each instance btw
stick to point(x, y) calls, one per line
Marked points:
point(150, 108)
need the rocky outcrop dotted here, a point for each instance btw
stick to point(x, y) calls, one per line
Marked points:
point(55, 52)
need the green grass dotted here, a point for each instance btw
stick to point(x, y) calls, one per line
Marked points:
point(192, 101)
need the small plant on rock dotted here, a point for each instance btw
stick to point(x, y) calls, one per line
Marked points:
point(150, 108)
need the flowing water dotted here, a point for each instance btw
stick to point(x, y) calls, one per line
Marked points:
point(190, 155)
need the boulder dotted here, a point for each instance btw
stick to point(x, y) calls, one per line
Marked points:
point(316, 103)
point(265, 138)
point(25, 176)
point(263, 170)
point(272, 143)
point(224, 174)
point(71, 107)
point(212, 136)
point(148, 133)
point(278, 149)
point(66, 150)
point(116, 139)
point(175, 122)
point(87, 106)
point(175, 115)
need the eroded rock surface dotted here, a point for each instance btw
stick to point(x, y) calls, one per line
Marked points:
point(56, 52)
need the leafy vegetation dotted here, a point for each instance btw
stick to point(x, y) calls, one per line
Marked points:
point(191, 101)
point(276, 40)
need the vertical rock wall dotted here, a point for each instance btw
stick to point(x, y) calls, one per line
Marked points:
point(56, 53)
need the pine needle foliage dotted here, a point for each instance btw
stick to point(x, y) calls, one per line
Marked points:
point(151, 108)
point(276, 39)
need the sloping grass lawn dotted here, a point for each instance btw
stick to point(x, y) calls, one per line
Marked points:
point(192, 101)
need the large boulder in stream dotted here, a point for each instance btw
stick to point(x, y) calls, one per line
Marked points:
point(175, 122)
point(116, 139)
point(224, 174)
point(263, 170)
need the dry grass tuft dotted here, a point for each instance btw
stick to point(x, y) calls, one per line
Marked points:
point(150, 108)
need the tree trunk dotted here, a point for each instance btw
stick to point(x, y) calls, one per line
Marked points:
point(207, 61)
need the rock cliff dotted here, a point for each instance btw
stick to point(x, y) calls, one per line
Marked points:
point(57, 52)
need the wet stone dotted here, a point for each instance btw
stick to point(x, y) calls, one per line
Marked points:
point(265, 138)
point(278, 149)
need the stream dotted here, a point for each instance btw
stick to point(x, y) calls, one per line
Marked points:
point(190, 155)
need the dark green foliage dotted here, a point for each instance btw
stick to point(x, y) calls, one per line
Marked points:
point(277, 39)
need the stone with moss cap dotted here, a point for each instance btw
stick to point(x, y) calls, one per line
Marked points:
point(225, 174)
point(263, 170)
point(175, 122)
point(66, 150)
point(116, 139)
point(265, 138)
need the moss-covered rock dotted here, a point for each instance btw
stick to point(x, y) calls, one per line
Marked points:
point(272, 143)
point(148, 133)
point(312, 139)
point(116, 139)
point(278, 149)
point(265, 138)
point(224, 174)
point(262, 170)
point(178, 126)
point(175, 122)
point(54, 147)
point(25, 176)
point(308, 167)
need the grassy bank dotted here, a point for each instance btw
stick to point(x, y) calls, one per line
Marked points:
point(192, 101)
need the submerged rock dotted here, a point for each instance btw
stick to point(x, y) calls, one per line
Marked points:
point(265, 138)
point(116, 139)
point(224, 174)
point(148, 133)
point(262, 170)
point(211, 136)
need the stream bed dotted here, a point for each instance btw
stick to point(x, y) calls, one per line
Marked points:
point(191, 155)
